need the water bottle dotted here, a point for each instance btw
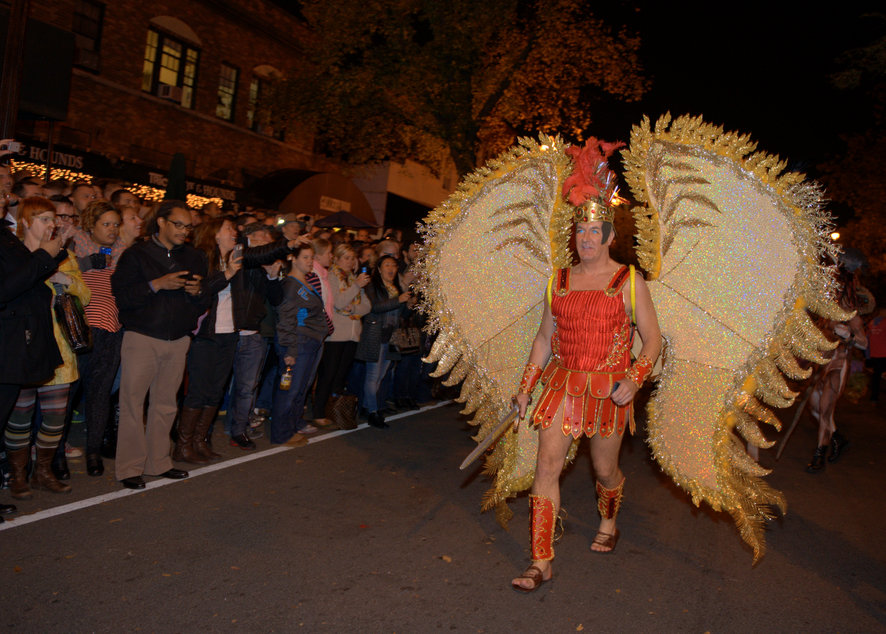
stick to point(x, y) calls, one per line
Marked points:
point(286, 379)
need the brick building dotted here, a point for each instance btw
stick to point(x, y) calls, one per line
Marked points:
point(150, 79)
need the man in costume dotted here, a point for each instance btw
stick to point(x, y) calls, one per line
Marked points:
point(589, 382)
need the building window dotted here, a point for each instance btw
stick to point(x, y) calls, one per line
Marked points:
point(87, 28)
point(260, 117)
point(170, 68)
point(227, 92)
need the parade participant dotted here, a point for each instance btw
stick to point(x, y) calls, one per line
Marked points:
point(832, 379)
point(590, 382)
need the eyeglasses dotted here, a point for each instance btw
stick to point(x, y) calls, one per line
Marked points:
point(72, 218)
point(181, 225)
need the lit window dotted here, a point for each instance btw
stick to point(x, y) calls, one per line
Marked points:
point(227, 92)
point(170, 68)
point(87, 28)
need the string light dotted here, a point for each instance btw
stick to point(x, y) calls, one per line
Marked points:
point(147, 193)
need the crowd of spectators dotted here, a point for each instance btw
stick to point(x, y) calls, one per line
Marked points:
point(264, 316)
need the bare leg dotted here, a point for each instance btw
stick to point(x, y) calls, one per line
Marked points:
point(604, 457)
point(553, 446)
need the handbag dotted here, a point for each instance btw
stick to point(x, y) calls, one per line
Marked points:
point(407, 340)
point(71, 319)
point(342, 411)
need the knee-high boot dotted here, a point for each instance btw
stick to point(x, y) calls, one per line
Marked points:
point(43, 476)
point(201, 433)
point(541, 527)
point(185, 449)
point(18, 482)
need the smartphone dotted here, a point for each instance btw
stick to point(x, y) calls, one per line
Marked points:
point(238, 251)
point(364, 269)
point(54, 234)
point(105, 250)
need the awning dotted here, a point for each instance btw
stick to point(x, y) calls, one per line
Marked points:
point(314, 193)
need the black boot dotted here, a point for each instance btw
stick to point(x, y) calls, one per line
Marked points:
point(377, 420)
point(838, 445)
point(94, 464)
point(817, 462)
point(59, 466)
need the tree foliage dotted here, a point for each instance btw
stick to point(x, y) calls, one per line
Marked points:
point(854, 178)
point(422, 79)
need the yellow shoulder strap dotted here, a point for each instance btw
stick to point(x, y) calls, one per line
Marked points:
point(633, 296)
point(549, 293)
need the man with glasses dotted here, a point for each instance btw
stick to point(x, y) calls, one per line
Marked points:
point(158, 292)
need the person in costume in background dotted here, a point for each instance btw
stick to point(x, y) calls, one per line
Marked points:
point(589, 382)
point(832, 378)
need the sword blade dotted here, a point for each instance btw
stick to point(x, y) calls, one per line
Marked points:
point(505, 422)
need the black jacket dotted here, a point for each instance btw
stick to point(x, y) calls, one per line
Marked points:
point(27, 344)
point(166, 315)
point(249, 288)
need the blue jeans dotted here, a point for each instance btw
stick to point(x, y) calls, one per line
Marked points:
point(248, 362)
point(375, 374)
point(289, 405)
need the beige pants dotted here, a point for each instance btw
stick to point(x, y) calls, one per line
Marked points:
point(155, 366)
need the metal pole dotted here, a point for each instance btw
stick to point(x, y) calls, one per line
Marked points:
point(49, 149)
point(10, 77)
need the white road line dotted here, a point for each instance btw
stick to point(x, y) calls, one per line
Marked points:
point(21, 520)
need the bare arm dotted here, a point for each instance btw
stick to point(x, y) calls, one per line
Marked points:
point(650, 333)
point(539, 353)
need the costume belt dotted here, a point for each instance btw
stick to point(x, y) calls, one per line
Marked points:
point(587, 406)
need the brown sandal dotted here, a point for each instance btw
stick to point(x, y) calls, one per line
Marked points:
point(535, 575)
point(607, 540)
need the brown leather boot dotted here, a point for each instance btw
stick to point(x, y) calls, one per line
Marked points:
point(18, 465)
point(201, 433)
point(44, 478)
point(185, 450)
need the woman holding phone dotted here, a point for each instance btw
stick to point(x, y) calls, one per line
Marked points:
point(349, 303)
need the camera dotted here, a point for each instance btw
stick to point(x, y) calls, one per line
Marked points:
point(12, 146)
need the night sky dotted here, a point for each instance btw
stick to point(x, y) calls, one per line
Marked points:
point(755, 70)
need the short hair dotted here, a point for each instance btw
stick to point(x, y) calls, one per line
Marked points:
point(163, 210)
point(61, 199)
point(80, 184)
point(19, 188)
point(321, 245)
point(93, 211)
point(30, 207)
point(118, 193)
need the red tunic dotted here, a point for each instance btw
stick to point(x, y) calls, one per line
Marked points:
point(591, 349)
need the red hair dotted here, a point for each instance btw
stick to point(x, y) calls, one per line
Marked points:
point(30, 207)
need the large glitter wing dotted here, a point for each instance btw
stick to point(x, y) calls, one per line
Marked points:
point(733, 250)
point(488, 253)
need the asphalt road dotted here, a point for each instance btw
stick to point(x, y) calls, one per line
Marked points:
point(378, 531)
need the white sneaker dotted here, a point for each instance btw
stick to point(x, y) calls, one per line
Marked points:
point(72, 452)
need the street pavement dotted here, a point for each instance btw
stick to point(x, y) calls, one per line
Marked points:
point(378, 531)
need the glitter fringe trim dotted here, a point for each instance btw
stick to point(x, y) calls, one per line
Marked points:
point(740, 491)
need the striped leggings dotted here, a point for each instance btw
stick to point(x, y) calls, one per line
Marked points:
point(53, 406)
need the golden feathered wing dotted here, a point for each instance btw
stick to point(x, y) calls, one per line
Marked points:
point(489, 251)
point(733, 251)
point(732, 248)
